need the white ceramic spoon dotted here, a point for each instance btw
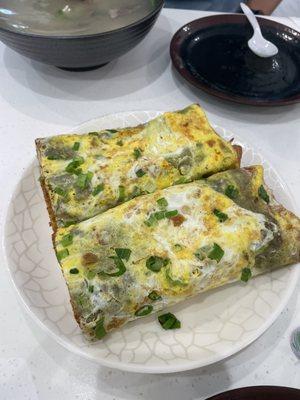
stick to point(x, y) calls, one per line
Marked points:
point(258, 44)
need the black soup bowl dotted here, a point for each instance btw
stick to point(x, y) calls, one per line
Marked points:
point(80, 52)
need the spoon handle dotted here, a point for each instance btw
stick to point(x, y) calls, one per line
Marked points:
point(251, 17)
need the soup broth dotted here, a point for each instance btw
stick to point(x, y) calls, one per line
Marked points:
point(72, 17)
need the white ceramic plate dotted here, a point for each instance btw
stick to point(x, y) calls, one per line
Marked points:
point(214, 325)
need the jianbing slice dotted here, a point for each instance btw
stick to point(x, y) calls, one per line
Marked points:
point(84, 175)
point(161, 248)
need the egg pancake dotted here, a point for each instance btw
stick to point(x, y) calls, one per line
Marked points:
point(159, 249)
point(84, 175)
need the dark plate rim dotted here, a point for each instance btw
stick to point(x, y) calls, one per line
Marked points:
point(256, 390)
point(197, 24)
point(84, 36)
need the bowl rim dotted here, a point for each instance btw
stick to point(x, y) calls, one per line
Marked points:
point(83, 36)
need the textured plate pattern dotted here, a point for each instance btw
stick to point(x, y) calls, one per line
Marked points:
point(215, 325)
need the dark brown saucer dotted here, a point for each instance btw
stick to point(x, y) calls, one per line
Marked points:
point(212, 54)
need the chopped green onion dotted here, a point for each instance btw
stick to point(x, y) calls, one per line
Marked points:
point(81, 181)
point(155, 263)
point(170, 214)
point(67, 240)
point(121, 197)
point(120, 265)
point(111, 130)
point(220, 215)
point(169, 321)
point(77, 171)
point(231, 192)
point(60, 191)
point(69, 223)
point(136, 192)
point(178, 281)
point(53, 157)
point(246, 274)
point(62, 254)
point(93, 133)
point(176, 325)
point(145, 310)
point(216, 253)
point(99, 188)
point(162, 202)
point(84, 180)
point(74, 271)
point(76, 146)
point(140, 173)
point(137, 153)
point(263, 194)
point(159, 215)
point(73, 165)
point(91, 274)
point(180, 181)
point(151, 220)
point(91, 289)
point(100, 331)
point(124, 254)
point(120, 142)
point(154, 296)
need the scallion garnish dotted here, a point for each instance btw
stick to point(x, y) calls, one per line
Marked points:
point(140, 173)
point(155, 263)
point(136, 192)
point(169, 321)
point(246, 274)
point(67, 240)
point(170, 214)
point(220, 215)
point(91, 289)
point(74, 271)
point(60, 191)
point(91, 274)
point(216, 253)
point(263, 194)
point(73, 165)
point(69, 223)
point(150, 221)
point(84, 180)
point(76, 146)
point(162, 202)
point(159, 215)
point(145, 310)
point(100, 331)
point(180, 181)
point(231, 192)
point(137, 153)
point(120, 142)
point(98, 189)
point(154, 296)
point(121, 269)
point(62, 254)
point(124, 254)
point(121, 197)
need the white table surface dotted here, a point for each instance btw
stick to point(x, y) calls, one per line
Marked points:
point(38, 100)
